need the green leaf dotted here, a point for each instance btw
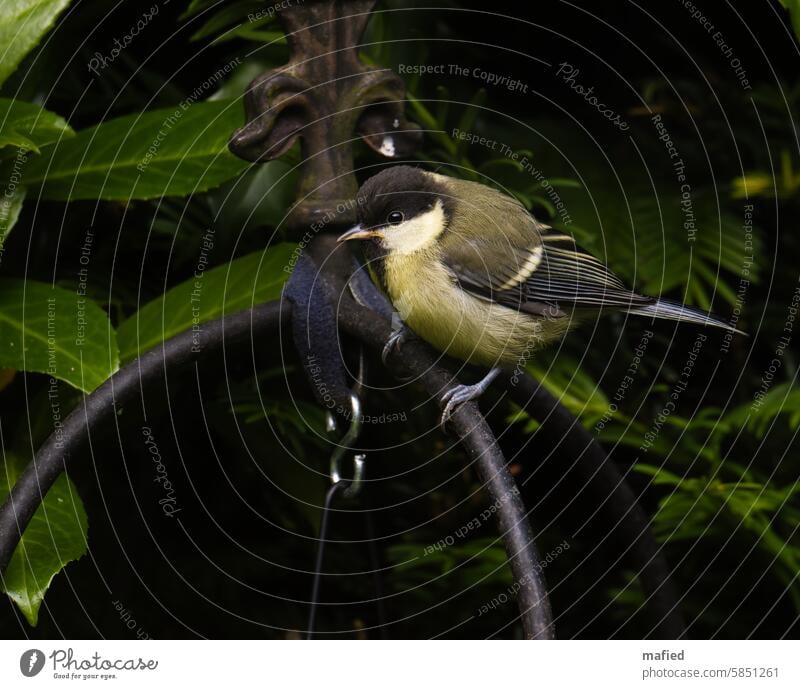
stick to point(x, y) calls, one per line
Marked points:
point(55, 331)
point(258, 198)
point(169, 152)
point(467, 121)
point(22, 25)
point(28, 126)
point(432, 128)
point(783, 399)
point(231, 287)
point(660, 475)
point(574, 387)
point(793, 6)
point(10, 208)
point(234, 16)
point(55, 536)
point(198, 6)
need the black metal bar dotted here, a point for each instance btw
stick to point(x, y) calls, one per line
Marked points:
point(598, 476)
point(100, 406)
point(534, 606)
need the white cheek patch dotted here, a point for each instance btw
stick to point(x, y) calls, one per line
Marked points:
point(417, 233)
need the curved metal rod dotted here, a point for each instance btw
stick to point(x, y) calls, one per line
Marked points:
point(600, 477)
point(100, 406)
point(478, 439)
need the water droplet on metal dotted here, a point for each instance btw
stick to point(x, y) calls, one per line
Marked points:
point(387, 147)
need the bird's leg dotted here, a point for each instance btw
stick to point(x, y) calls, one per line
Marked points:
point(459, 394)
point(400, 334)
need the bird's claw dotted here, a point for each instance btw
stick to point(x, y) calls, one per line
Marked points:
point(396, 339)
point(454, 398)
point(460, 394)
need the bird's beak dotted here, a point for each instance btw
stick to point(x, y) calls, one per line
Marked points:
point(359, 232)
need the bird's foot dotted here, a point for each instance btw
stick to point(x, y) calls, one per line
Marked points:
point(395, 341)
point(458, 395)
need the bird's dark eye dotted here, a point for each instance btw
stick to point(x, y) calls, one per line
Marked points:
point(395, 217)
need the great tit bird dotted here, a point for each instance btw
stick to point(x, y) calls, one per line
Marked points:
point(472, 272)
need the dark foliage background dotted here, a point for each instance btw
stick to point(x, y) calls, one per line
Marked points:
point(247, 454)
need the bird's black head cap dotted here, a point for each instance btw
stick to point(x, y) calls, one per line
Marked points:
point(398, 194)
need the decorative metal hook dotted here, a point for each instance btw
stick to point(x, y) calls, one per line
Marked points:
point(344, 446)
point(346, 443)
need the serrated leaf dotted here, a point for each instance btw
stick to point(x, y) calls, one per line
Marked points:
point(55, 331)
point(169, 152)
point(11, 200)
point(231, 287)
point(22, 25)
point(55, 536)
point(28, 126)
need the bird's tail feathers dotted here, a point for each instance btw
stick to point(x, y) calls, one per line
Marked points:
point(673, 311)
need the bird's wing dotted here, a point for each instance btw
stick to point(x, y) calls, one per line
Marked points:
point(544, 272)
point(472, 258)
point(570, 275)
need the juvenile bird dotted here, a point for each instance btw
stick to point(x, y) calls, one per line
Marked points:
point(473, 273)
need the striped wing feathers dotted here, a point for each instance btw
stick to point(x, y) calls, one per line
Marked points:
point(546, 273)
